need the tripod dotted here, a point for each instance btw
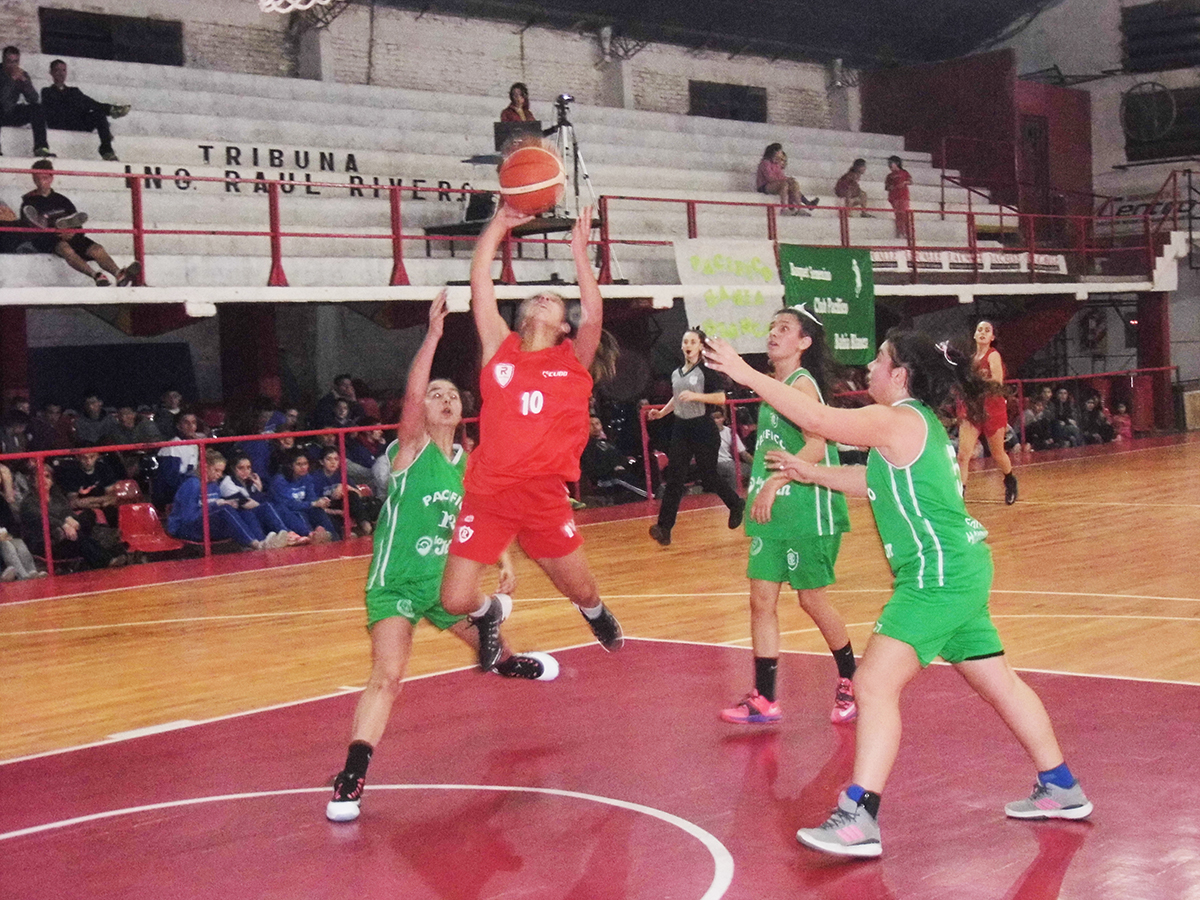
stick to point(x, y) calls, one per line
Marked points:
point(568, 148)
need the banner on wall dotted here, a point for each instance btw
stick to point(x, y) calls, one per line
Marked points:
point(838, 285)
point(731, 289)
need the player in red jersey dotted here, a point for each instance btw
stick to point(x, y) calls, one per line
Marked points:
point(534, 385)
point(990, 366)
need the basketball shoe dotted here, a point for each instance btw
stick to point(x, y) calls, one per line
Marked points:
point(850, 831)
point(844, 707)
point(753, 709)
point(347, 794)
point(1049, 801)
point(489, 629)
point(607, 629)
point(533, 666)
point(1010, 489)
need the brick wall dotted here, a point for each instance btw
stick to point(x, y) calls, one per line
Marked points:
point(470, 56)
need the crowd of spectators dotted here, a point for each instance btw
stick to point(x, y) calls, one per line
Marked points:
point(1053, 419)
point(265, 493)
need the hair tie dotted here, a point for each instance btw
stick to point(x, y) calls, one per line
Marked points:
point(944, 346)
point(803, 310)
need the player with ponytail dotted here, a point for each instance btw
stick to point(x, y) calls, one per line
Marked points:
point(942, 568)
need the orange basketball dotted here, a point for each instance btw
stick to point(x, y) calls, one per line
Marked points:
point(532, 180)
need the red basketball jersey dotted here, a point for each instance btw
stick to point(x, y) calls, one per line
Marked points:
point(534, 419)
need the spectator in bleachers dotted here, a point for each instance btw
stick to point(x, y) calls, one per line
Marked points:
point(1065, 419)
point(16, 562)
point(518, 106)
point(1039, 427)
point(725, 467)
point(1094, 423)
point(14, 432)
point(186, 522)
point(325, 413)
point(90, 483)
point(146, 430)
point(49, 430)
point(772, 178)
point(850, 192)
point(71, 109)
point(896, 184)
point(186, 427)
point(15, 86)
point(242, 485)
point(327, 480)
point(294, 495)
point(1122, 424)
point(72, 535)
point(168, 408)
point(46, 209)
point(92, 424)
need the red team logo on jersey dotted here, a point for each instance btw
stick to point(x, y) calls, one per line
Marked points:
point(504, 373)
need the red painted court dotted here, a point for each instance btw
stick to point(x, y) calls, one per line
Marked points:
point(615, 782)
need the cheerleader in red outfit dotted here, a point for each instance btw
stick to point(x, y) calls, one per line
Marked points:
point(995, 421)
point(535, 386)
point(896, 184)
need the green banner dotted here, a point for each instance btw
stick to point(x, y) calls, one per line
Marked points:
point(839, 286)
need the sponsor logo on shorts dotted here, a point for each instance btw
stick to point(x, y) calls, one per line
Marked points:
point(503, 373)
point(756, 546)
point(870, 494)
point(424, 545)
point(552, 373)
point(569, 529)
point(464, 534)
point(887, 550)
point(793, 560)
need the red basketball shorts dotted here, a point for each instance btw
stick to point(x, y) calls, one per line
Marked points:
point(536, 512)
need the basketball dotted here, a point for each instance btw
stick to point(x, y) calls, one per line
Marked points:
point(532, 180)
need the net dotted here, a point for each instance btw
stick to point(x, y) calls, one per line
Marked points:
point(287, 6)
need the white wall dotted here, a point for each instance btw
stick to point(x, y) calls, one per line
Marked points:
point(1083, 37)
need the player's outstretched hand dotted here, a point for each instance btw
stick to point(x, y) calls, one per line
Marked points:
point(510, 218)
point(790, 465)
point(720, 355)
point(582, 231)
point(437, 314)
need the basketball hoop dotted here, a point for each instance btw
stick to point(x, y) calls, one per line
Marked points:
point(287, 6)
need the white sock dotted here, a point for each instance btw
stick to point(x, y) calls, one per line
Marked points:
point(487, 601)
point(591, 612)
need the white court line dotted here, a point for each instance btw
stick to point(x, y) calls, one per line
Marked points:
point(347, 610)
point(722, 858)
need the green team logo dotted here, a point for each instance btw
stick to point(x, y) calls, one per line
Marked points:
point(793, 560)
point(404, 607)
point(756, 546)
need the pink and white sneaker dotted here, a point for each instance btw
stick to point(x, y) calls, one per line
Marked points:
point(844, 707)
point(753, 709)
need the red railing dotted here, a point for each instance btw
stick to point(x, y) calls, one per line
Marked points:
point(40, 457)
point(1077, 238)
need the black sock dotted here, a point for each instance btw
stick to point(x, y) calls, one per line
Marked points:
point(358, 757)
point(764, 675)
point(870, 802)
point(845, 661)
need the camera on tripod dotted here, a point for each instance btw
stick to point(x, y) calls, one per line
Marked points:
point(561, 104)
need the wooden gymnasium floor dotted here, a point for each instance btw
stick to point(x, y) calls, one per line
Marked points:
point(170, 730)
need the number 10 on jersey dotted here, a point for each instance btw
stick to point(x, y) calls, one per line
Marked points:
point(532, 402)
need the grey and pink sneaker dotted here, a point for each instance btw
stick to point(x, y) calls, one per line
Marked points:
point(1049, 801)
point(850, 831)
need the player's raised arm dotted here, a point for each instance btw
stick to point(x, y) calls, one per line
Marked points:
point(410, 433)
point(489, 323)
point(591, 304)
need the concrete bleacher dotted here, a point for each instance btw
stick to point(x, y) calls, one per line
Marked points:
point(189, 123)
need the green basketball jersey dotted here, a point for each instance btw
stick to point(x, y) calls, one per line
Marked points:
point(412, 536)
point(799, 508)
point(929, 539)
